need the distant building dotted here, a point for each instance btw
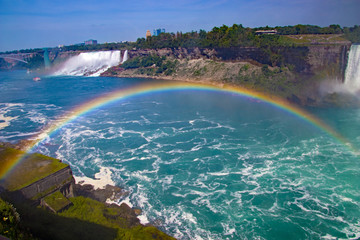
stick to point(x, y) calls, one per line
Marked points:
point(91, 42)
point(148, 34)
point(157, 32)
point(268, 32)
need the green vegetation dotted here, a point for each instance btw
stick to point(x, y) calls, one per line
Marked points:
point(239, 36)
point(10, 225)
point(120, 218)
point(307, 29)
point(32, 168)
point(151, 64)
point(218, 37)
point(56, 201)
point(353, 34)
point(44, 224)
point(86, 219)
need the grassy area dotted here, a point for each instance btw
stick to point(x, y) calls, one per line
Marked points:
point(316, 38)
point(31, 169)
point(120, 218)
point(86, 219)
point(56, 201)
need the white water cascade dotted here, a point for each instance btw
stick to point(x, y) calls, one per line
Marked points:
point(125, 58)
point(90, 63)
point(352, 72)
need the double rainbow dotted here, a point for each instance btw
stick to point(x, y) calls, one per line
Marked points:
point(143, 89)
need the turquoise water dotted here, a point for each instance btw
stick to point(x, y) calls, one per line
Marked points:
point(201, 165)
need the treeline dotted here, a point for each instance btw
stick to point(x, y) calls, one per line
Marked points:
point(237, 35)
point(219, 37)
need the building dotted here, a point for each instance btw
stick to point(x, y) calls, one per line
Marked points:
point(91, 42)
point(156, 32)
point(268, 32)
point(148, 34)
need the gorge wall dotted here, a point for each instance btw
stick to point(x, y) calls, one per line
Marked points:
point(295, 73)
point(310, 59)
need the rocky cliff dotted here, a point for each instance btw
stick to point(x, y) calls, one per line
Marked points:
point(293, 72)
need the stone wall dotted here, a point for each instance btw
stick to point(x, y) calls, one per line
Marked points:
point(61, 180)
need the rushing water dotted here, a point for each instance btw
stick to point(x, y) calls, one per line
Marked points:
point(201, 165)
point(352, 73)
point(91, 63)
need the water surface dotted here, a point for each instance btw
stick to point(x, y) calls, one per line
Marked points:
point(201, 165)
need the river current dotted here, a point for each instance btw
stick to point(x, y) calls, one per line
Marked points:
point(200, 164)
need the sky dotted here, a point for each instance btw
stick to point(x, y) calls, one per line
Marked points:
point(28, 24)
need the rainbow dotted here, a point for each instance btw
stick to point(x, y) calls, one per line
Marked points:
point(143, 89)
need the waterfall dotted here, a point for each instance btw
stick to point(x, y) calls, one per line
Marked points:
point(89, 63)
point(352, 72)
point(125, 58)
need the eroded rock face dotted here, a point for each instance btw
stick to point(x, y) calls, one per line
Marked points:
point(101, 195)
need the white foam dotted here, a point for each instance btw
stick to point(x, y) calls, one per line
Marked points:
point(143, 219)
point(219, 174)
point(5, 120)
point(189, 217)
point(127, 202)
point(102, 179)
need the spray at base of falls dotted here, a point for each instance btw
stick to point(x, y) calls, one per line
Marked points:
point(351, 85)
point(91, 63)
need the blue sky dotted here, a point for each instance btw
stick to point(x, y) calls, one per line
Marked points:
point(48, 23)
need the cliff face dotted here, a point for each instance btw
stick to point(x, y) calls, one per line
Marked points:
point(308, 59)
point(295, 73)
point(331, 58)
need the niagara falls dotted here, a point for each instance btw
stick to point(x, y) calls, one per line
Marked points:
point(179, 120)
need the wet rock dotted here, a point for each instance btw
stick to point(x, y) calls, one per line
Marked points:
point(101, 195)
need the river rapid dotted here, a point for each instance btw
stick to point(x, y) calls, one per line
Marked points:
point(200, 164)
